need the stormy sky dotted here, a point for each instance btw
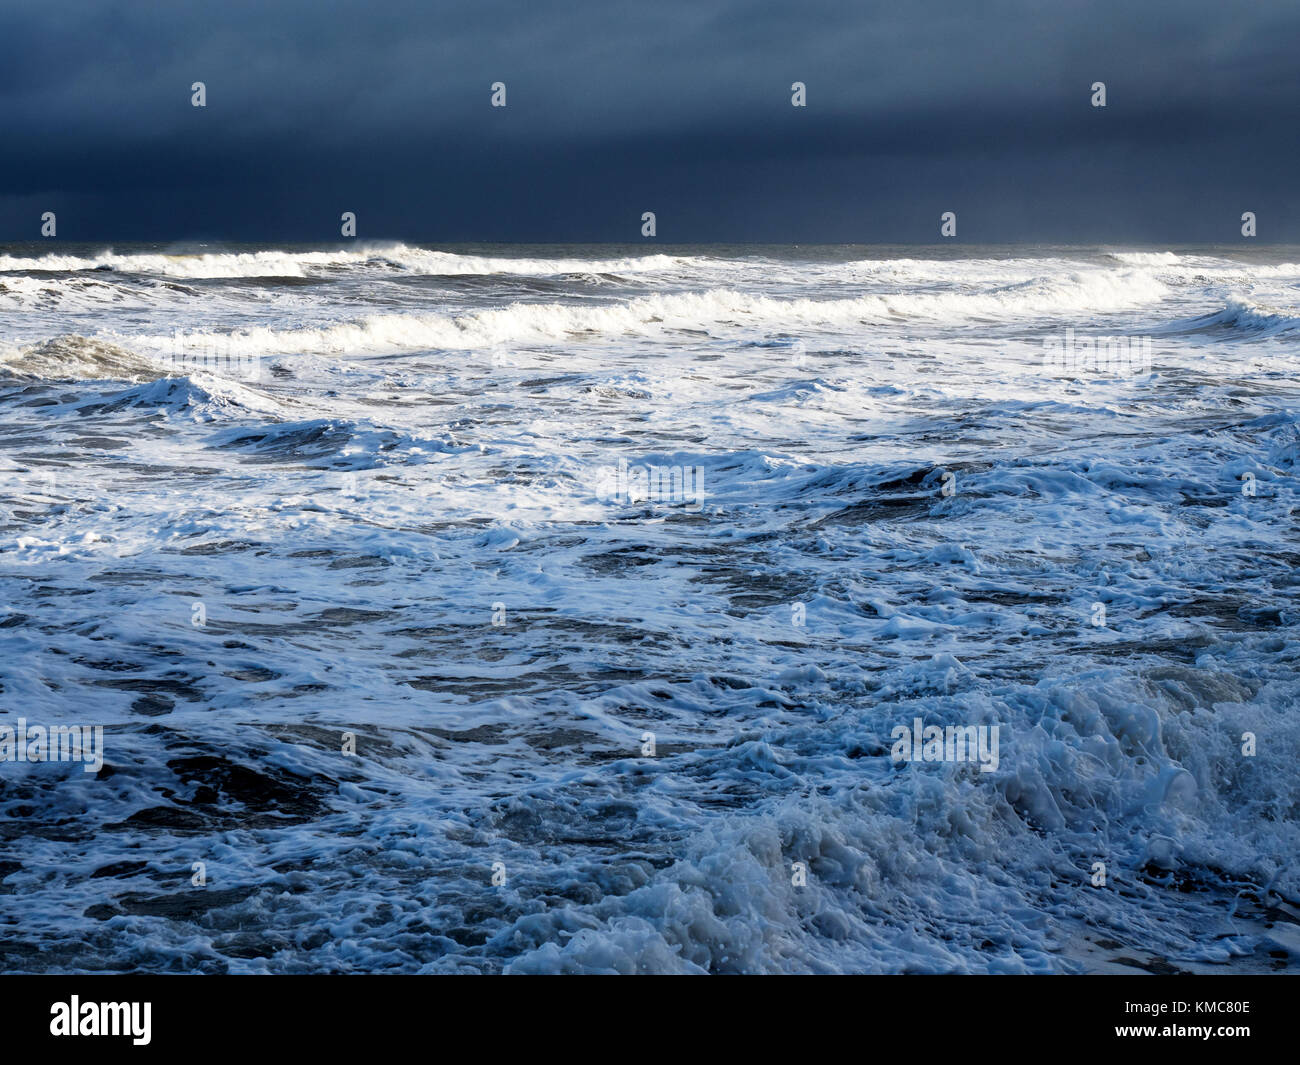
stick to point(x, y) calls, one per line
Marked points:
point(681, 107)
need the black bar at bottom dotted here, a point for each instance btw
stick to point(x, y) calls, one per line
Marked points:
point(329, 1014)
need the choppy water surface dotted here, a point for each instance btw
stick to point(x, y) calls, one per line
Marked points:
point(252, 499)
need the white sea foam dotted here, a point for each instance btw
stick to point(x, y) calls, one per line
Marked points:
point(309, 263)
point(661, 722)
point(722, 311)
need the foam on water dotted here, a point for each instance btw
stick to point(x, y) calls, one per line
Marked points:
point(351, 479)
point(277, 263)
point(714, 311)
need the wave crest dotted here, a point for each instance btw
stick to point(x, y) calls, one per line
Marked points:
point(722, 310)
point(399, 257)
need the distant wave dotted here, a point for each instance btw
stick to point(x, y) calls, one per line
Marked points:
point(402, 259)
point(1145, 258)
point(82, 292)
point(1192, 267)
point(299, 264)
point(724, 309)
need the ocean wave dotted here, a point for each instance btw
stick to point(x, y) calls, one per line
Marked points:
point(1243, 316)
point(160, 380)
point(199, 397)
point(78, 358)
point(1145, 258)
point(399, 257)
point(1193, 268)
point(724, 310)
point(20, 293)
point(339, 444)
point(1099, 764)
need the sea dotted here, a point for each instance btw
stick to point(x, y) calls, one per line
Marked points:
point(649, 609)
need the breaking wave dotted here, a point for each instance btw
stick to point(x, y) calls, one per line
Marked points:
point(722, 310)
point(399, 257)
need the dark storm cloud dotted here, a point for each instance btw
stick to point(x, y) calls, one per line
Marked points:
point(678, 107)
